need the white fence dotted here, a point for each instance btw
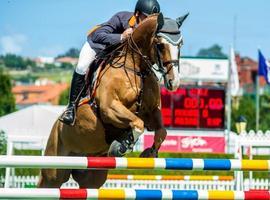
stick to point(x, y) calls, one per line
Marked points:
point(31, 181)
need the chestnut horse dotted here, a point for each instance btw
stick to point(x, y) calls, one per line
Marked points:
point(128, 100)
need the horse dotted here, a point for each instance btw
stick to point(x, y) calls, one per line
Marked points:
point(127, 99)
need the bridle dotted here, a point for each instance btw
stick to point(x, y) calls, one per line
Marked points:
point(150, 67)
point(122, 51)
point(161, 63)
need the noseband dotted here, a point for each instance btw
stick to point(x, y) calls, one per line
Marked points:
point(161, 69)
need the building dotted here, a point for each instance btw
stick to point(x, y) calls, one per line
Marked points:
point(69, 60)
point(41, 61)
point(247, 72)
point(27, 95)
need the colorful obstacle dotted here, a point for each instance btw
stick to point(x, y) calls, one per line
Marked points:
point(132, 163)
point(132, 194)
point(169, 177)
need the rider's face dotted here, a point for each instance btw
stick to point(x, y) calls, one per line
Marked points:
point(140, 17)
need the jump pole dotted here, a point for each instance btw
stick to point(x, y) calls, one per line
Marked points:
point(169, 177)
point(13, 193)
point(68, 162)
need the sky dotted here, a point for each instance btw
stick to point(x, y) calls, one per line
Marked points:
point(50, 27)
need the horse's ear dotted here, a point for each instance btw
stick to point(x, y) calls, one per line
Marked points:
point(160, 21)
point(180, 20)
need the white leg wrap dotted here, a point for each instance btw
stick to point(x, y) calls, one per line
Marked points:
point(136, 133)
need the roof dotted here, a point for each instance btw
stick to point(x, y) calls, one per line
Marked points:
point(35, 120)
point(40, 94)
point(67, 60)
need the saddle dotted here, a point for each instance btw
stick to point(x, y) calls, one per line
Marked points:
point(102, 59)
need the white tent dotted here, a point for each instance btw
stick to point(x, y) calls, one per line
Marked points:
point(33, 121)
point(28, 128)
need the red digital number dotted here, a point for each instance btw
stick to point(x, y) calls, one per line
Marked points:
point(190, 103)
point(194, 107)
point(205, 113)
point(202, 103)
point(215, 103)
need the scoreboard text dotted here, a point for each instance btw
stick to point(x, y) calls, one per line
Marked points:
point(194, 107)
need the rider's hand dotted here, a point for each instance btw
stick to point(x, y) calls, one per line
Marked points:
point(126, 34)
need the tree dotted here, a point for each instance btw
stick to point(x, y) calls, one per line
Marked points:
point(247, 109)
point(14, 61)
point(214, 51)
point(264, 112)
point(63, 100)
point(7, 100)
point(72, 52)
point(66, 66)
point(3, 148)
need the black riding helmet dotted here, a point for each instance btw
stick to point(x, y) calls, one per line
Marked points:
point(147, 7)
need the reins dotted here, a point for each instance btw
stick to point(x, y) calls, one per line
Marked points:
point(113, 59)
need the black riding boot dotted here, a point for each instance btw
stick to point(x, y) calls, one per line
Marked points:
point(77, 85)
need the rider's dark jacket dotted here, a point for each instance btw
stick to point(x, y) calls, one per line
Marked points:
point(109, 33)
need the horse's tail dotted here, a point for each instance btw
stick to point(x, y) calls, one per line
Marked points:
point(50, 175)
point(52, 144)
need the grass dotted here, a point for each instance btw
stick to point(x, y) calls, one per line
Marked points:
point(57, 75)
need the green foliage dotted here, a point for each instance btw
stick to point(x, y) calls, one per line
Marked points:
point(63, 100)
point(72, 52)
point(246, 108)
point(264, 121)
point(3, 148)
point(66, 66)
point(30, 63)
point(3, 143)
point(214, 51)
point(28, 78)
point(48, 66)
point(27, 171)
point(7, 101)
point(13, 61)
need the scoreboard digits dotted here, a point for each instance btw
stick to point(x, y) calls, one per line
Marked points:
point(194, 107)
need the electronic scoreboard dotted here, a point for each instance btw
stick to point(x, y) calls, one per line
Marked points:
point(194, 107)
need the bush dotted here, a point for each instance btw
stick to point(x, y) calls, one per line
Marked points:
point(7, 100)
point(3, 149)
point(63, 100)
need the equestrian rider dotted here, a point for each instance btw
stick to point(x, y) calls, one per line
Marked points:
point(112, 32)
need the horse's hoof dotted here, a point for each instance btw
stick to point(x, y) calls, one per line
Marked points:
point(117, 149)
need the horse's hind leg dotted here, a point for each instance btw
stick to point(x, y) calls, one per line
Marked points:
point(90, 178)
point(54, 178)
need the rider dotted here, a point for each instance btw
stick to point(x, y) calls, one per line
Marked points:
point(112, 32)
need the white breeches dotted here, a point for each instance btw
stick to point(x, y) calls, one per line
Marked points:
point(87, 56)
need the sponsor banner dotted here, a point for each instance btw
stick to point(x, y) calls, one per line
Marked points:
point(200, 69)
point(189, 144)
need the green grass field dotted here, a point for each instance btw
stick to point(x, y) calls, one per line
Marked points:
point(58, 76)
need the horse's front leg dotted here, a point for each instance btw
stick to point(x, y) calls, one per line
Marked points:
point(160, 134)
point(119, 116)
